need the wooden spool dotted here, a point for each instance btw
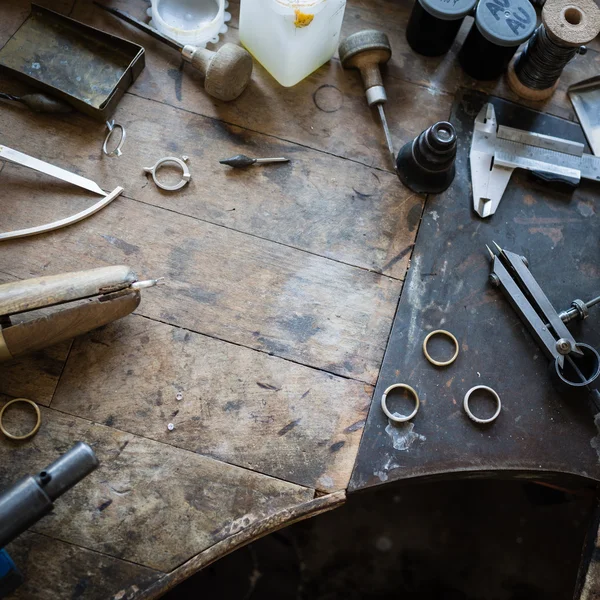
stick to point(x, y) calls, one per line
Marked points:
point(567, 23)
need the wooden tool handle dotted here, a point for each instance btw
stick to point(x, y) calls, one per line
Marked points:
point(29, 294)
point(370, 73)
point(227, 72)
point(199, 58)
point(65, 324)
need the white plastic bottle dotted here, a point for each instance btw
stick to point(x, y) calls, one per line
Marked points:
point(291, 38)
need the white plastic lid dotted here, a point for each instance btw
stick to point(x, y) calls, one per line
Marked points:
point(194, 22)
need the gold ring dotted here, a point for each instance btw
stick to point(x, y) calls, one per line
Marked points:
point(395, 416)
point(440, 363)
point(27, 435)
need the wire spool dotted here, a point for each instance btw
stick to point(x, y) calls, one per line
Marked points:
point(566, 26)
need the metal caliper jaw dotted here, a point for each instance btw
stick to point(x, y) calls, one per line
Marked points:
point(488, 179)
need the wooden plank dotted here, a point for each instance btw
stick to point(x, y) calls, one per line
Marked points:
point(14, 12)
point(36, 375)
point(319, 203)
point(226, 284)
point(53, 569)
point(148, 502)
point(33, 376)
point(315, 113)
point(444, 73)
point(228, 402)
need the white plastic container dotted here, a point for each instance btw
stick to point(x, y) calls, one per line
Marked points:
point(195, 22)
point(291, 38)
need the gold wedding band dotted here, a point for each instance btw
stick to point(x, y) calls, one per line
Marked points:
point(35, 428)
point(440, 363)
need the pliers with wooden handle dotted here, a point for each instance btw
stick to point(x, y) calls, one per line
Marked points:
point(111, 293)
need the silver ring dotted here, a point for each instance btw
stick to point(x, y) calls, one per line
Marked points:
point(111, 128)
point(185, 176)
point(394, 416)
point(494, 395)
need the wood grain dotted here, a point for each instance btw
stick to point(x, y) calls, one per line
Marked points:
point(14, 12)
point(148, 503)
point(319, 203)
point(36, 375)
point(53, 569)
point(228, 402)
point(229, 285)
point(65, 324)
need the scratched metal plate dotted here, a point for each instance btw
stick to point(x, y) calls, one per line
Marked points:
point(447, 287)
point(88, 68)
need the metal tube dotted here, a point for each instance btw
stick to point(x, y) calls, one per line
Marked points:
point(141, 25)
point(67, 470)
point(32, 497)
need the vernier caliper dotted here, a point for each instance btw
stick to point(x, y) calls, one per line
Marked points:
point(496, 151)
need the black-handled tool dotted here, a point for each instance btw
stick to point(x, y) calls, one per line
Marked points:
point(40, 103)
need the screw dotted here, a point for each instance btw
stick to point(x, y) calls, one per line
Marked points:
point(563, 346)
point(170, 426)
point(494, 279)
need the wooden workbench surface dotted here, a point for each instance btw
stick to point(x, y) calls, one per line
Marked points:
point(281, 288)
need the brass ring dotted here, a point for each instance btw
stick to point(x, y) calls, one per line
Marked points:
point(394, 416)
point(440, 363)
point(27, 435)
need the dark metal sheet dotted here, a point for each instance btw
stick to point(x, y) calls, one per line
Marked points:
point(88, 68)
point(447, 287)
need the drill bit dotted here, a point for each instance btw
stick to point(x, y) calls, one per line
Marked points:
point(241, 160)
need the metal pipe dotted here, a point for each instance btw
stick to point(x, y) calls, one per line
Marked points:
point(32, 497)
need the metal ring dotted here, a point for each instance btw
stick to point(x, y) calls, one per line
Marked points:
point(111, 128)
point(394, 416)
point(35, 428)
point(186, 176)
point(440, 363)
point(494, 395)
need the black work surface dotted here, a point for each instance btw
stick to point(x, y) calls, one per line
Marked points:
point(447, 288)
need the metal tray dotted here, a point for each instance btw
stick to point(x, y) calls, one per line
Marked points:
point(585, 97)
point(88, 68)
